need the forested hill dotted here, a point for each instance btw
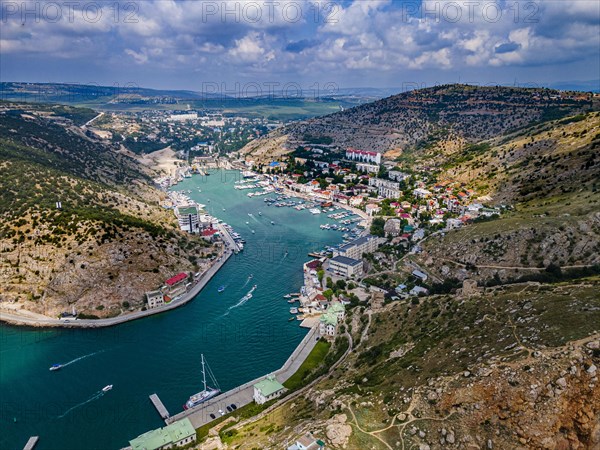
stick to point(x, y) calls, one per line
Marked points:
point(109, 241)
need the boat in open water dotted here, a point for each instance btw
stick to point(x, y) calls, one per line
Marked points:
point(55, 367)
point(107, 388)
point(208, 392)
point(221, 289)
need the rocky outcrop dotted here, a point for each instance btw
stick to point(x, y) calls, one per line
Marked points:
point(338, 431)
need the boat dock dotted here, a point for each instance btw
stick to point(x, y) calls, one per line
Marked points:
point(227, 237)
point(33, 440)
point(162, 411)
point(244, 394)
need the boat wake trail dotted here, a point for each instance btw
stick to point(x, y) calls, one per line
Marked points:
point(243, 300)
point(246, 283)
point(96, 396)
point(80, 358)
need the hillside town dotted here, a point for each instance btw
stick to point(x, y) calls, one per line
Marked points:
point(194, 132)
point(397, 208)
point(384, 210)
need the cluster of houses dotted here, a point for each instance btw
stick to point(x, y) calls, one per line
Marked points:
point(191, 216)
point(412, 204)
point(409, 197)
point(346, 263)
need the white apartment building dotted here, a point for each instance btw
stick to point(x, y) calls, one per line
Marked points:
point(155, 299)
point(363, 156)
point(188, 218)
point(346, 267)
point(356, 248)
point(182, 117)
point(397, 176)
point(368, 168)
point(386, 188)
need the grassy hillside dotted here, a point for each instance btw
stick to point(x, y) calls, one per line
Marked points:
point(505, 369)
point(549, 174)
point(108, 243)
point(538, 162)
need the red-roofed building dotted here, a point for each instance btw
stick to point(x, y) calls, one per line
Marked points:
point(209, 233)
point(314, 264)
point(341, 198)
point(177, 279)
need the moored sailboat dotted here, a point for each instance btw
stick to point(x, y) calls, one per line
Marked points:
point(207, 393)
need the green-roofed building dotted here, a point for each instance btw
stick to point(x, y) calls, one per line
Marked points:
point(177, 434)
point(328, 322)
point(267, 389)
point(338, 309)
point(188, 218)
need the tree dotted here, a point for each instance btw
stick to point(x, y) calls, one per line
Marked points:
point(377, 227)
point(329, 282)
point(328, 294)
point(320, 275)
point(340, 285)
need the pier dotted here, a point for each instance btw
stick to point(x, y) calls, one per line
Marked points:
point(33, 440)
point(162, 411)
point(244, 394)
point(227, 237)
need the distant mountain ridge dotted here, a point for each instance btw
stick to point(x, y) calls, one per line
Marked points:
point(450, 113)
point(75, 93)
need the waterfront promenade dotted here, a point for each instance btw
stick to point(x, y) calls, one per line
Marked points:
point(21, 319)
point(243, 395)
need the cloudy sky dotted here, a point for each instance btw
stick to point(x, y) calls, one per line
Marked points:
point(189, 44)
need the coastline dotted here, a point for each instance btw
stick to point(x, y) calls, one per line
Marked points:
point(27, 319)
point(243, 394)
point(24, 320)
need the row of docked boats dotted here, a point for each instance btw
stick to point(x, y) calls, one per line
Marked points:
point(292, 298)
point(237, 238)
point(334, 227)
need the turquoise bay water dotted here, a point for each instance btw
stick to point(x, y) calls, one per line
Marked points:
point(161, 354)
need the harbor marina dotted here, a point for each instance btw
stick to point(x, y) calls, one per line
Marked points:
point(128, 355)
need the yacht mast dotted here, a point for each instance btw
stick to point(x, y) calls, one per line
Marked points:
point(203, 372)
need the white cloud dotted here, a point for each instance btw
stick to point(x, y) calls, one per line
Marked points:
point(252, 49)
point(138, 57)
point(365, 35)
